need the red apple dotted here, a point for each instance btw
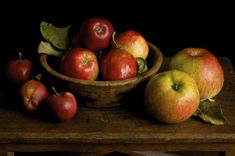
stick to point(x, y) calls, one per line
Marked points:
point(33, 94)
point(80, 63)
point(63, 105)
point(203, 66)
point(133, 42)
point(96, 33)
point(171, 96)
point(118, 64)
point(19, 71)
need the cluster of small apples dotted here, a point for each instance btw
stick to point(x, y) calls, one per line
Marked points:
point(194, 75)
point(34, 93)
point(119, 53)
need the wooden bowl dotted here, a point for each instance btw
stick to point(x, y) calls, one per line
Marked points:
point(106, 93)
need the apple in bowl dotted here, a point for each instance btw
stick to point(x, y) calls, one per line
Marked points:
point(133, 42)
point(104, 93)
point(80, 63)
point(95, 33)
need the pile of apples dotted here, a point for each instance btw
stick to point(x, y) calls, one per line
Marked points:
point(118, 54)
point(34, 93)
point(119, 61)
point(193, 75)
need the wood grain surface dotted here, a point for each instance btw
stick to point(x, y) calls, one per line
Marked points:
point(123, 128)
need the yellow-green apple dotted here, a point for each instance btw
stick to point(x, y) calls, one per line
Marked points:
point(171, 96)
point(203, 66)
point(133, 42)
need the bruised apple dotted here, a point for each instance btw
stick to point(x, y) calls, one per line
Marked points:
point(133, 42)
point(33, 93)
point(118, 64)
point(171, 96)
point(203, 66)
point(80, 63)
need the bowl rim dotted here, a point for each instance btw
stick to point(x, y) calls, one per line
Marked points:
point(45, 65)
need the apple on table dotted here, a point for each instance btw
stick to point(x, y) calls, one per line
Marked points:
point(203, 66)
point(20, 70)
point(63, 105)
point(33, 93)
point(171, 96)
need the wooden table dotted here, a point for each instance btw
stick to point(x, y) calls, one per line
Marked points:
point(125, 128)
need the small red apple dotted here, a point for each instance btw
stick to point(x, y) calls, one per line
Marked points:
point(80, 63)
point(19, 71)
point(95, 33)
point(63, 105)
point(118, 64)
point(203, 66)
point(33, 94)
point(171, 96)
point(133, 42)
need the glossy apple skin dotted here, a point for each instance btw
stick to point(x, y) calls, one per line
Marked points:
point(19, 71)
point(80, 63)
point(118, 64)
point(171, 96)
point(134, 43)
point(63, 105)
point(95, 33)
point(203, 66)
point(33, 93)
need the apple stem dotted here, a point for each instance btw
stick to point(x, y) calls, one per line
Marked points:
point(56, 93)
point(211, 100)
point(38, 77)
point(20, 56)
point(175, 87)
point(116, 45)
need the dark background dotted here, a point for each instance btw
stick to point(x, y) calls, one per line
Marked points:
point(170, 26)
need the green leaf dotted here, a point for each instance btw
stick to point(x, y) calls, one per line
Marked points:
point(58, 37)
point(142, 65)
point(210, 112)
point(46, 48)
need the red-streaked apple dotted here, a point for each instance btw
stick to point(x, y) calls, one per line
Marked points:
point(19, 71)
point(80, 63)
point(118, 64)
point(133, 42)
point(33, 94)
point(95, 33)
point(171, 96)
point(203, 66)
point(63, 105)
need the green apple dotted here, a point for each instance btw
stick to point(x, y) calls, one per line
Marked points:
point(171, 96)
point(203, 66)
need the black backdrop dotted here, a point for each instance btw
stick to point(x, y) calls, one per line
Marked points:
point(170, 26)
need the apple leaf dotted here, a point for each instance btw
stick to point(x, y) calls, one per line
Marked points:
point(142, 65)
point(58, 37)
point(46, 48)
point(210, 112)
